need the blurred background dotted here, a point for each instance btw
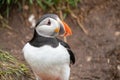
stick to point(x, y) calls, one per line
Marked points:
point(95, 40)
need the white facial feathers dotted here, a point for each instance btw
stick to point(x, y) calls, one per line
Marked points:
point(47, 26)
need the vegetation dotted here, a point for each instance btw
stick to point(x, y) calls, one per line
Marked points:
point(11, 69)
point(7, 5)
point(54, 5)
point(61, 7)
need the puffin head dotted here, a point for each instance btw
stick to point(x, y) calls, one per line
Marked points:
point(50, 25)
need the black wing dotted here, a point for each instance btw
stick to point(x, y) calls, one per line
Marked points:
point(72, 57)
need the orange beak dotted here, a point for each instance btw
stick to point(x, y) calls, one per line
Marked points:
point(68, 31)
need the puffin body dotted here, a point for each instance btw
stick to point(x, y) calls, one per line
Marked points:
point(48, 56)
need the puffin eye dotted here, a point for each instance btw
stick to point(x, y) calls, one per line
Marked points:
point(49, 22)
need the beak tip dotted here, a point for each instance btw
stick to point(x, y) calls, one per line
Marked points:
point(67, 34)
point(68, 31)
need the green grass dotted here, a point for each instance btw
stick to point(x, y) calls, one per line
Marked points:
point(12, 69)
point(7, 5)
point(54, 5)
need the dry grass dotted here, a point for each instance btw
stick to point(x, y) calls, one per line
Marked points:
point(11, 69)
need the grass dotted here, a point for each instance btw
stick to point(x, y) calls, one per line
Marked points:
point(51, 6)
point(12, 69)
point(54, 5)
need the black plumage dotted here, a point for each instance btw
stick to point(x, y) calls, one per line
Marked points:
point(38, 41)
point(72, 57)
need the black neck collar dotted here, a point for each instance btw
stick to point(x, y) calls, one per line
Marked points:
point(39, 41)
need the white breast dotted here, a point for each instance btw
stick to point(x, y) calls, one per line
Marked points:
point(46, 58)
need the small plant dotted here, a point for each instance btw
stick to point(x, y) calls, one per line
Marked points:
point(56, 4)
point(11, 69)
point(6, 5)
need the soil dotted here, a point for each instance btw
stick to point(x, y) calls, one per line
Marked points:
point(97, 53)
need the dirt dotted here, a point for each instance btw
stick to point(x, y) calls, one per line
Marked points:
point(97, 53)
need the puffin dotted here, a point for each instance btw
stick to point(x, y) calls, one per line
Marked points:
point(49, 57)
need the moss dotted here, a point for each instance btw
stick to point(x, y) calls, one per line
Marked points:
point(12, 69)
